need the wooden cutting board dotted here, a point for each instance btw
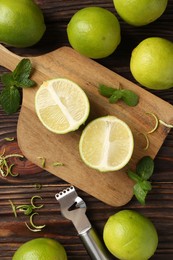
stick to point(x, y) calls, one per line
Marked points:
point(113, 188)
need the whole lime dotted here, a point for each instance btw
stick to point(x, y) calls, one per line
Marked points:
point(21, 23)
point(40, 249)
point(151, 63)
point(140, 12)
point(94, 32)
point(129, 235)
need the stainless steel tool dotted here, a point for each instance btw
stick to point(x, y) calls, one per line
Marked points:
point(73, 208)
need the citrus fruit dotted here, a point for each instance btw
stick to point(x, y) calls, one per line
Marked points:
point(140, 12)
point(21, 23)
point(151, 63)
point(40, 249)
point(61, 105)
point(106, 144)
point(128, 235)
point(94, 32)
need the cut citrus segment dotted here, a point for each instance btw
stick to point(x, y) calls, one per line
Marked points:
point(106, 144)
point(61, 105)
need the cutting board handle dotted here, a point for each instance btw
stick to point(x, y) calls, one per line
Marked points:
point(8, 59)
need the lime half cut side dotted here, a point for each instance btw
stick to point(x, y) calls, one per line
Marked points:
point(106, 144)
point(61, 105)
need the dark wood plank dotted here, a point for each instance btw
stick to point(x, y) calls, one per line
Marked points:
point(159, 207)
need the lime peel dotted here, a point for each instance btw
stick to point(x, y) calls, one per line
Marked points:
point(140, 13)
point(128, 233)
point(94, 32)
point(156, 123)
point(40, 248)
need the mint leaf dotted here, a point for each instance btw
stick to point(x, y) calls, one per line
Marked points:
point(145, 167)
point(10, 99)
point(144, 171)
point(140, 193)
point(19, 78)
point(7, 79)
point(133, 176)
point(21, 74)
point(106, 91)
point(23, 69)
point(26, 83)
point(145, 185)
point(129, 97)
point(117, 95)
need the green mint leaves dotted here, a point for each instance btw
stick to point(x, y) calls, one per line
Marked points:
point(144, 171)
point(10, 96)
point(10, 99)
point(128, 96)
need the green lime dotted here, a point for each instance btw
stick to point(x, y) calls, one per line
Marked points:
point(152, 62)
point(140, 12)
point(21, 23)
point(94, 32)
point(129, 235)
point(40, 249)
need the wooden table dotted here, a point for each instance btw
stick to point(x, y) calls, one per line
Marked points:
point(159, 207)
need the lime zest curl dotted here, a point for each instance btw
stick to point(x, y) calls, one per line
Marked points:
point(32, 223)
point(32, 202)
point(13, 208)
point(9, 139)
point(58, 164)
point(165, 124)
point(29, 210)
point(155, 127)
point(147, 141)
point(5, 168)
point(156, 123)
point(35, 228)
point(43, 161)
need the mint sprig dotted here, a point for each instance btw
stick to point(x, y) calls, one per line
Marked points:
point(10, 96)
point(144, 170)
point(128, 96)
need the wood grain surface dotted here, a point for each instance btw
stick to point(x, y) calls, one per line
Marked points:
point(159, 206)
point(35, 141)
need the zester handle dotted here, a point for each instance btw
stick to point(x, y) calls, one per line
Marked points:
point(94, 246)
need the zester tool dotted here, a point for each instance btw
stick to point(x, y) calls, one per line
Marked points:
point(74, 208)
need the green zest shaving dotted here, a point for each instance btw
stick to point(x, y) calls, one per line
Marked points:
point(29, 210)
point(157, 123)
point(10, 98)
point(26, 209)
point(32, 202)
point(13, 208)
point(5, 168)
point(34, 228)
point(43, 161)
point(146, 139)
point(38, 186)
point(58, 164)
point(128, 96)
point(144, 171)
point(9, 139)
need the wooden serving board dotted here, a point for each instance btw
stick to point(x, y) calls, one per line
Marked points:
point(113, 188)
